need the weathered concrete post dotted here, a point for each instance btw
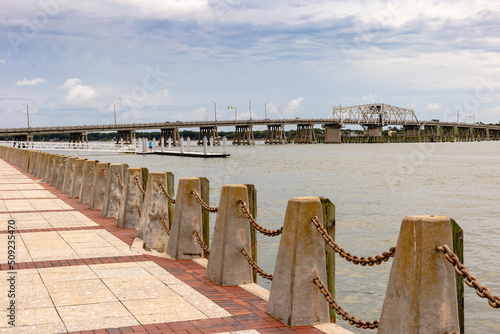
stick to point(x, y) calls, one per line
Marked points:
point(61, 173)
point(132, 197)
point(68, 175)
point(295, 300)
point(77, 178)
point(421, 294)
point(114, 187)
point(154, 226)
point(188, 217)
point(226, 264)
point(99, 186)
point(40, 167)
point(55, 170)
point(87, 181)
point(48, 168)
point(31, 162)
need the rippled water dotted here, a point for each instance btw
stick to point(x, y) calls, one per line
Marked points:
point(373, 187)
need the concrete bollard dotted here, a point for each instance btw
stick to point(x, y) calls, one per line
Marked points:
point(87, 181)
point(55, 170)
point(99, 186)
point(226, 264)
point(68, 175)
point(61, 173)
point(48, 168)
point(131, 198)
point(294, 299)
point(76, 183)
point(39, 166)
point(31, 160)
point(421, 293)
point(154, 222)
point(112, 195)
point(189, 216)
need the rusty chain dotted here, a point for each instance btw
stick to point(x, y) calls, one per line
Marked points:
point(164, 223)
point(255, 267)
point(119, 178)
point(251, 219)
point(91, 169)
point(139, 211)
point(202, 244)
point(105, 173)
point(119, 201)
point(203, 204)
point(352, 320)
point(165, 193)
point(469, 279)
point(139, 185)
point(370, 261)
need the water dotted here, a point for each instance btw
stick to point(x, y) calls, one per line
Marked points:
point(373, 187)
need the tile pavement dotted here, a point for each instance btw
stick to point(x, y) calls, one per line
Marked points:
point(75, 273)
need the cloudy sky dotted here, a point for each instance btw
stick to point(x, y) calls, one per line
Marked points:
point(166, 60)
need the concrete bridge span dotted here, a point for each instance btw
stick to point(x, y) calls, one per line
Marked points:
point(372, 117)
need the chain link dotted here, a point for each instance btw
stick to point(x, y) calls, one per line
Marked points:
point(92, 170)
point(119, 178)
point(164, 223)
point(469, 279)
point(139, 185)
point(164, 191)
point(255, 267)
point(139, 211)
point(203, 204)
point(370, 261)
point(340, 311)
point(202, 244)
point(119, 201)
point(105, 173)
point(251, 219)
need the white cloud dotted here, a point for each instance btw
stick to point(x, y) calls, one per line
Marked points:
point(26, 82)
point(2, 61)
point(294, 107)
point(78, 93)
point(433, 107)
point(199, 114)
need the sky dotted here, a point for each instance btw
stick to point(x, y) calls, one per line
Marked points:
point(75, 62)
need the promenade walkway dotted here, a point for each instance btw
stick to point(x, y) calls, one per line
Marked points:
point(75, 272)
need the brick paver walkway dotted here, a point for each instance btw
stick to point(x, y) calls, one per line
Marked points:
point(75, 272)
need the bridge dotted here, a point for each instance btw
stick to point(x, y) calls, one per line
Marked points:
point(372, 117)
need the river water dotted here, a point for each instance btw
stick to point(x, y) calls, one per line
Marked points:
point(373, 186)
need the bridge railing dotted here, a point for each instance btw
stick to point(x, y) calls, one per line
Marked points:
point(56, 146)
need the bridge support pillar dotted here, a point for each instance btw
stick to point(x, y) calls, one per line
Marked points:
point(411, 130)
point(243, 135)
point(209, 131)
point(374, 131)
point(305, 134)
point(172, 133)
point(125, 136)
point(78, 137)
point(333, 134)
point(275, 134)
